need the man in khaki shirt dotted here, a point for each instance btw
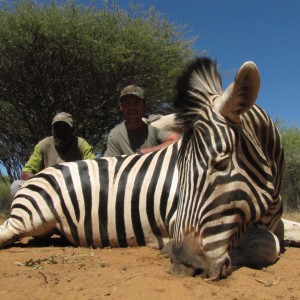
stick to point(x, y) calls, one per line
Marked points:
point(134, 135)
point(62, 146)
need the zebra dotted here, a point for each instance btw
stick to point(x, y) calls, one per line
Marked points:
point(140, 200)
point(230, 166)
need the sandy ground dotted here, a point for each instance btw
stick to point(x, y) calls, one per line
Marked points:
point(56, 270)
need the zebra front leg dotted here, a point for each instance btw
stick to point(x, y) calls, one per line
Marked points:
point(257, 248)
point(291, 233)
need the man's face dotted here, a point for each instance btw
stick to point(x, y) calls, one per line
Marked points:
point(132, 107)
point(62, 134)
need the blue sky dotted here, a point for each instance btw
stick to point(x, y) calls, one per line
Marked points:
point(234, 31)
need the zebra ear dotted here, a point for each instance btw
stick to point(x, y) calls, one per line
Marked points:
point(241, 95)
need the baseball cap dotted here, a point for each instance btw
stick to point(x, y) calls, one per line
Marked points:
point(132, 90)
point(63, 117)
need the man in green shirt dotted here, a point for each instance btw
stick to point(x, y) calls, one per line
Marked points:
point(135, 135)
point(62, 146)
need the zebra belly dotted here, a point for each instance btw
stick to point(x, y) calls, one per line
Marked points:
point(86, 232)
point(99, 233)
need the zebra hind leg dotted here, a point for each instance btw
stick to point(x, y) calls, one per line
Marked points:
point(7, 235)
point(13, 230)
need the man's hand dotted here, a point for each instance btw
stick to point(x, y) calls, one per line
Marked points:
point(26, 175)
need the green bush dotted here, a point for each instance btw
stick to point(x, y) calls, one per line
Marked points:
point(67, 57)
point(290, 190)
point(5, 197)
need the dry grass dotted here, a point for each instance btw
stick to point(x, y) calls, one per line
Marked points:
point(293, 216)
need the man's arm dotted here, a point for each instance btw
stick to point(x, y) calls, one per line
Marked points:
point(87, 151)
point(34, 164)
point(170, 139)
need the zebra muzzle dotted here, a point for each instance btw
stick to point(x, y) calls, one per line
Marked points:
point(189, 259)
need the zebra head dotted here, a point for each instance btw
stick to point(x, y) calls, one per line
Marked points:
point(225, 181)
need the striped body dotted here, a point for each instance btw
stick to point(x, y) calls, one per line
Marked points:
point(117, 202)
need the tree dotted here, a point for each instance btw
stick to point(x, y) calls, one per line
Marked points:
point(67, 57)
point(291, 179)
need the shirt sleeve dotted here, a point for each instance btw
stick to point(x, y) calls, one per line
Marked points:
point(112, 147)
point(87, 151)
point(35, 162)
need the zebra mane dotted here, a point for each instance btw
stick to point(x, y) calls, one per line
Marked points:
point(199, 85)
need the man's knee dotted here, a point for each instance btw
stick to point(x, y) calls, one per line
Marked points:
point(15, 186)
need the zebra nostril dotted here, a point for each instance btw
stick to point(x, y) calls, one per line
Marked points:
point(182, 270)
point(199, 272)
point(225, 269)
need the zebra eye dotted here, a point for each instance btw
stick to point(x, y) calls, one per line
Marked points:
point(221, 165)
